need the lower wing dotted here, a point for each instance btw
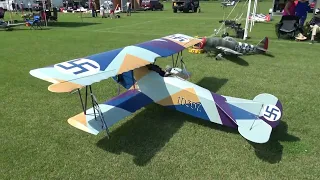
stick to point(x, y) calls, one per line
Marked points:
point(110, 112)
point(228, 50)
point(13, 25)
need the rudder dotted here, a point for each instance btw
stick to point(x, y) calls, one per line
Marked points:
point(263, 45)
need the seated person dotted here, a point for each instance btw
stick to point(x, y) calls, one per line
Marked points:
point(315, 24)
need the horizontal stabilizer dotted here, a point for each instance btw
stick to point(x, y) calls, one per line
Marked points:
point(256, 118)
point(112, 111)
point(258, 131)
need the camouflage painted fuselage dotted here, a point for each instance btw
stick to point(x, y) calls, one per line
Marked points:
point(212, 43)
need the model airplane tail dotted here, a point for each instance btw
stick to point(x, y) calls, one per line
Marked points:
point(262, 47)
point(256, 118)
point(110, 112)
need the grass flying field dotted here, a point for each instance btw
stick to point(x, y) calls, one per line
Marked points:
point(155, 142)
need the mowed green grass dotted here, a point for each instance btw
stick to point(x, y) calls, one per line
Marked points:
point(155, 142)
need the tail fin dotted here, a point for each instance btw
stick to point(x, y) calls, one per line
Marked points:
point(257, 118)
point(263, 45)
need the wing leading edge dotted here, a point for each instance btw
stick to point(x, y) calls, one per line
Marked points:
point(228, 50)
point(70, 75)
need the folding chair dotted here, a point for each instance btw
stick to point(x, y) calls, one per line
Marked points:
point(288, 25)
point(35, 23)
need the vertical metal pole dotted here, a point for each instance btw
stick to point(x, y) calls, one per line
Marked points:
point(133, 80)
point(85, 101)
point(83, 108)
point(247, 22)
point(93, 103)
point(253, 13)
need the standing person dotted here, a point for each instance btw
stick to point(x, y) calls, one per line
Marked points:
point(128, 8)
point(301, 11)
point(29, 6)
point(102, 11)
point(22, 6)
point(17, 7)
point(13, 4)
point(289, 8)
point(93, 9)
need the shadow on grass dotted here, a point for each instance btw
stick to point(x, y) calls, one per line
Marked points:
point(146, 133)
point(272, 150)
point(24, 29)
point(262, 54)
point(70, 24)
point(232, 58)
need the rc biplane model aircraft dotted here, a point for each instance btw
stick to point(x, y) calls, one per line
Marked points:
point(134, 68)
point(229, 46)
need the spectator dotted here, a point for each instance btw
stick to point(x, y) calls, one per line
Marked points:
point(29, 6)
point(13, 4)
point(17, 6)
point(128, 8)
point(289, 9)
point(315, 24)
point(1, 13)
point(301, 11)
point(95, 8)
point(22, 6)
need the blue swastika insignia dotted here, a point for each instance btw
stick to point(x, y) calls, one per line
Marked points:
point(179, 38)
point(79, 66)
point(272, 113)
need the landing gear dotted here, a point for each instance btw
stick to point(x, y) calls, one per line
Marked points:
point(219, 56)
point(225, 34)
point(98, 115)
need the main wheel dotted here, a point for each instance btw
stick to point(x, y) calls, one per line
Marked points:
point(175, 10)
point(225, 34)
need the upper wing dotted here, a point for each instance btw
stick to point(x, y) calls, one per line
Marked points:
point(70, 75)
point(228, 50)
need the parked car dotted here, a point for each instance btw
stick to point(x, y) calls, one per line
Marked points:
point(151, 5)
point(185, 5)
